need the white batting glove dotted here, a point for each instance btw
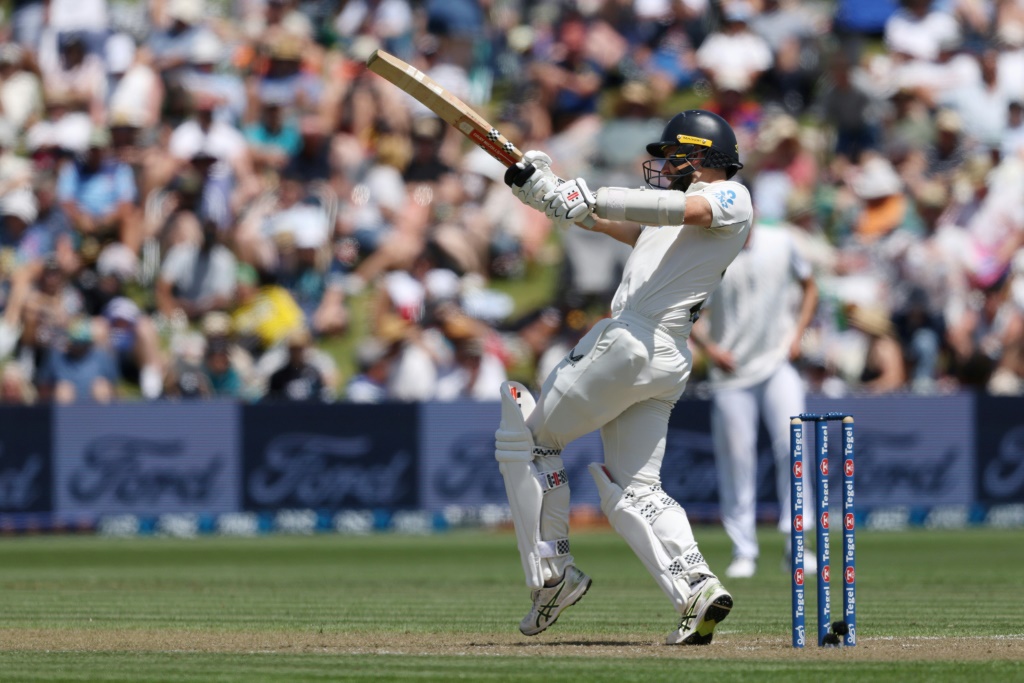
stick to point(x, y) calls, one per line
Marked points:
point(531, 179)
point(570, 202)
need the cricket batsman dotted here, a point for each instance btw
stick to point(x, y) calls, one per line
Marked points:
point(626, 374)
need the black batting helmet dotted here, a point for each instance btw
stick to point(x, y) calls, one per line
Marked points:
point(692, 136)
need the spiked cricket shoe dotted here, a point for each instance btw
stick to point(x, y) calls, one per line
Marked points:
point(550, 601)
point(709, 604)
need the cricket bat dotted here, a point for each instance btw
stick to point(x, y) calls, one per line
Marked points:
point(449, 108)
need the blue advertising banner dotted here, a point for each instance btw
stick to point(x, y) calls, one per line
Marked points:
point(458, 465)
point(1000, 450)
point(329, 457)
point(146, 458)
point(25, 474)
point(910, 451)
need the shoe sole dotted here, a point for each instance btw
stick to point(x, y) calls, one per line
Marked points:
point(715, 615)
point(586, 587)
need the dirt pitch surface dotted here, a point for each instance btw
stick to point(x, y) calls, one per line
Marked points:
point(726, 645)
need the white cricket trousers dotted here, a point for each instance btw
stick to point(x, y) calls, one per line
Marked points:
point(735, 416)
point(623, 377)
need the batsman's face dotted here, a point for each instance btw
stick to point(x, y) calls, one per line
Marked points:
point(677, 169)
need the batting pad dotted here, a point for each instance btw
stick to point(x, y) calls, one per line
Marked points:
point(537, 488)
point(656, 527)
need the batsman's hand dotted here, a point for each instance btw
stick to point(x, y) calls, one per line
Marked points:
point(531, 179)
point(570, 202)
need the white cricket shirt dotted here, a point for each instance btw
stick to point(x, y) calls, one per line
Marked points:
point(753, 313)
point(672, 269)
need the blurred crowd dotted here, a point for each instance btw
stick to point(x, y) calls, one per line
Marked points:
point(206, 198)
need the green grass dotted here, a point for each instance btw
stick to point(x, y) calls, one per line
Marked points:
point(289, 608)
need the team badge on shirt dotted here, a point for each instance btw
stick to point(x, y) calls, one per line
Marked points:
point(726, 198)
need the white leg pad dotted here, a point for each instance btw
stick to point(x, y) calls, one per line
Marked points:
point(530, 476)
point(656, 527)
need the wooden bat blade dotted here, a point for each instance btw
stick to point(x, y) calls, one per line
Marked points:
point(447, 106)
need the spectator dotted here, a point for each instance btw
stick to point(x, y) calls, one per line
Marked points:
point(883, 370)
point(202, 135)
point(173, 41)
point(98, 195)
point(132, 338)
point(280, 77)
point(373, 362)
point(197, 279)
point(298, 380)
point(993, 217)
point(266, 315)
point(305, 269)
point(186, 377)
point(474, 371)
point(15, 387)
point(735, 54)
point(80, 372)
point(414, 370)
point(217, 329)
point(274, 138)
point(47, 314)
point(784, 167)
point(77, 75)
point(570, 81)
point(847, 105)
point(311, 162)
point(135, 91)
point(793, 31)
point(949, 150)
point(390, 21)
point(21, 91)
point(15, 171)
point(1013, 141)
point(206, 74)
point(884, 204)
point(984, 103)
point(918, 29)
point(986, 339)
point(224, 380)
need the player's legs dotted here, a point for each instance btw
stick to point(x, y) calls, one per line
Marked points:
point(782, 398)
point(588, 388)
point(734, 419)
point(653, 524)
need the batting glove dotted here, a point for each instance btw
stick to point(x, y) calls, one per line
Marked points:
point(570, 202)
point(531, 179)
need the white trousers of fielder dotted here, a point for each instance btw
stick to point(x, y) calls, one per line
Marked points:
point(736, 415)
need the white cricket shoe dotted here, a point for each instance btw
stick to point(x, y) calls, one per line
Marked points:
point(741, 568)
point(709, 604)
point(549, 602)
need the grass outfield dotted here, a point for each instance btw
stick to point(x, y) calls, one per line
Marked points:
point(933, 606)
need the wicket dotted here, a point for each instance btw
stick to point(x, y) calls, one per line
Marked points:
point(829, 633)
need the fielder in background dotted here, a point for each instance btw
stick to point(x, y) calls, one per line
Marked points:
point(751, 336)
point(626, 374)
